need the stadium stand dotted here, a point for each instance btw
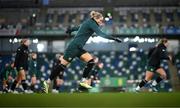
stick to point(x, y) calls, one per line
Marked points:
point(129, 65)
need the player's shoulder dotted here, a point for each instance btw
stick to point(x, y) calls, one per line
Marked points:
point(19, 48)
point(162, 47)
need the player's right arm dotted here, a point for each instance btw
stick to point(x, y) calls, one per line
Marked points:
point(97, 30)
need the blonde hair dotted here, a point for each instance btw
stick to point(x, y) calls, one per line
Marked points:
point(162, 41)
point(95, 14)
point(23, 41)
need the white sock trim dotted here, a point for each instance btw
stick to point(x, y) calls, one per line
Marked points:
point(154, 83)
point(138, 88)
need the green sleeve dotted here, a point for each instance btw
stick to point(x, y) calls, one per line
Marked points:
point(15, 72)
point(76, 28)
point(32, 68)
point(5, 73)
point(96, 29)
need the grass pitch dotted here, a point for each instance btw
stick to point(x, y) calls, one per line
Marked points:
point(89, 100)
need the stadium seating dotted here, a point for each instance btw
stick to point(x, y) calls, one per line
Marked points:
point(130, 65)
point(124, 20)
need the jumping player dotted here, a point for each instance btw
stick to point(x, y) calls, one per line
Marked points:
point(156, 55)
point(21, 64)
point(75, 48)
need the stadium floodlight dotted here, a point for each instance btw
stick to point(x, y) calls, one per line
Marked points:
point(98, 40)
point(40, 47)
point(106, 19)
point(15, 40)
point(35, 40)
point(132, 49)
point(126, 39)
point(34, 15)
point(10, 40)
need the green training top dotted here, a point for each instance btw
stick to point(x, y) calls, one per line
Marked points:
point(9, 71)
point(86, 30)
point(33, 67)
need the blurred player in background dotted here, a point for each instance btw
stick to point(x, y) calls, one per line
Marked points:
point(156, 55)
point(33, 71)
point(21, 64)
point(95, 79)
point(58, 81)
point(9, 74)
point(75, 48)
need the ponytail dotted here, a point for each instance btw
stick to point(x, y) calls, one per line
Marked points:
point(96, 15)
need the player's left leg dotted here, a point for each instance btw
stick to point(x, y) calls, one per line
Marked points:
point(162, 76)
point(23, 80)
point(86, 74)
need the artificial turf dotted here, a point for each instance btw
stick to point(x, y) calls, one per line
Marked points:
point(89, 100)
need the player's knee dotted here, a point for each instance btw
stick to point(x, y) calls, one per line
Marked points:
point(164, 76)
point(148, 78)
point(33, 81)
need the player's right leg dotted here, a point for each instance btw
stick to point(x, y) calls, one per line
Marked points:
point(162, 76)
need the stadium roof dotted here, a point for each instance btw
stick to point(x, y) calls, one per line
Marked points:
point(84, 3)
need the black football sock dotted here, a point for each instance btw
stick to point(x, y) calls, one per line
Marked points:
point(57, 87)
point(155, 82)
point(14, 85)
point(32, 87)
point(24, 84)
point(88, 68)
point(142, 83)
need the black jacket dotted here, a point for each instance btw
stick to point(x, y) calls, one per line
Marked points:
point(21, 59)
point(157, 54)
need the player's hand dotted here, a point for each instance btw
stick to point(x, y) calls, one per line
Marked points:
point(68, 31)
point(171, 59)
point(117, 39)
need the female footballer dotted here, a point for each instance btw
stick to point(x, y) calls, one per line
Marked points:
point(75, 48)
point(155, 56)
point(21, 64)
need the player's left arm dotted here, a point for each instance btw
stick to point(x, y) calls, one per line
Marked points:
point(72, 29)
